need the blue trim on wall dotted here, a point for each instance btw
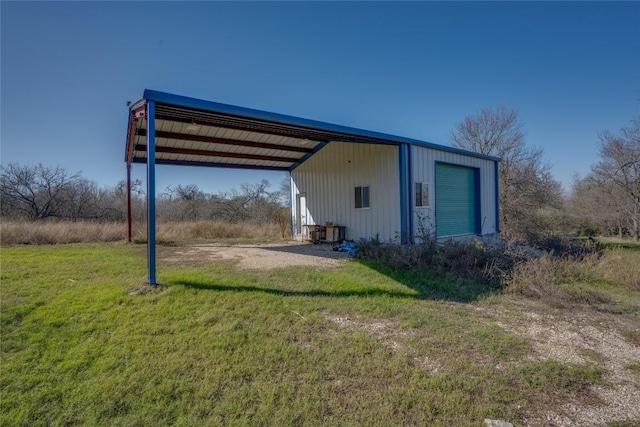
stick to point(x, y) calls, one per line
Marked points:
point(151, 191)
point(476, 190)
point(409, 190)
point(216, 107)
point(434, 210)
point(306, 157)
point(403, 194)
point(497, 198)
point(452, 150)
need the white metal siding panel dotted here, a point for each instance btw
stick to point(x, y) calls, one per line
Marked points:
point(423, 165)
point(329, 179)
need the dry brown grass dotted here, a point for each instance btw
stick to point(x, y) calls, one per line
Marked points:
point(565, 281)
point(211, 230)
point(620, 266)
point(53, 232)
point(59, 232)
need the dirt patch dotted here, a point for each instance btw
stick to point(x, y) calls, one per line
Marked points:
point(391, 335)
point(258, 256)
point(581, 337)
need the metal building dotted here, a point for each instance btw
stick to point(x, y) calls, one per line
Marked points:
point(410, 189)
point(367, 183)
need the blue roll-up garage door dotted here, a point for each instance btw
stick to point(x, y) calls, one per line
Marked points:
point(455, 200)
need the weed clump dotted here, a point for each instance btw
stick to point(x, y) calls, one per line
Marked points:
point(560, 281)
point(561, 272)
point(565, 281)
point(483, 262)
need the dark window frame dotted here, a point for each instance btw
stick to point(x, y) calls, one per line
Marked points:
point(363, 197)
point(421, 197)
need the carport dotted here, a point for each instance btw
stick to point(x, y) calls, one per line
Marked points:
point(166, 129)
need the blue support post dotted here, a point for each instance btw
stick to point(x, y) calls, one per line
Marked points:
point(151, 191)
point(410, 185)
point(497, 185)
point(404, 223)
point(478, 200)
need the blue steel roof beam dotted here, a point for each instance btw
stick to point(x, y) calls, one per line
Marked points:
point(264, 116)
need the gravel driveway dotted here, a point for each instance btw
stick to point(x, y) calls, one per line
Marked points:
point(265, 256)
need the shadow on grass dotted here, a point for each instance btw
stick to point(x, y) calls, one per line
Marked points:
point(372, 292)
point(436, 286)
point(420, 286)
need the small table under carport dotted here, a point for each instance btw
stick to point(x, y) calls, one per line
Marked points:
point(326, 233)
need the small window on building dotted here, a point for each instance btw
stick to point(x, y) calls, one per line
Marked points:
point(422, 195)
point(362, 197)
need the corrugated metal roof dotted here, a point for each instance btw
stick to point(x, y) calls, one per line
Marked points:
point(209, 145)
point(202, 133)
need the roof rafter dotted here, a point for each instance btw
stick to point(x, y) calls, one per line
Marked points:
point(209, 164)
point(224, 141)
point(210, 153)
point(180, 115)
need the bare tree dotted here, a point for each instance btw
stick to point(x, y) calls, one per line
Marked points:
point(527, 187)
point(620, 165)
point(493, 131)
point(593, 207)
point(137, 189)
point(246, 204)
point(192, 200)
point(284, 191)
point(168, 192)
point(82, 201)
point(36, 192)
point(119, 200)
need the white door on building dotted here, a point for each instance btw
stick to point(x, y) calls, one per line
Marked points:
point(301, 213)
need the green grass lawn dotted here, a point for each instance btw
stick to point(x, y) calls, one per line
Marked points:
point(213, 345)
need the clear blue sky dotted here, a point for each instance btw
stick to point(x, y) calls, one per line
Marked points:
point(412, 69)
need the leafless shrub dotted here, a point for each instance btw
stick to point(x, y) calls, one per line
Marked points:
point(538, 272)
point(484, 262)
point(559, 281)
point(539, 278)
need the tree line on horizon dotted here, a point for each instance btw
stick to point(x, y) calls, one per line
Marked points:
point(38, 192)
point(532, 203)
